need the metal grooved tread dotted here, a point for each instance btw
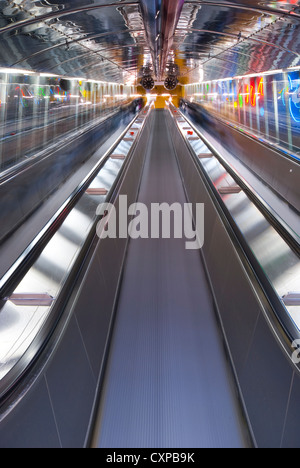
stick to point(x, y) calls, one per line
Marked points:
point(167, 382)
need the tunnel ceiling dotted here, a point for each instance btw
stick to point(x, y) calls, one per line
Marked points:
point(119, 41)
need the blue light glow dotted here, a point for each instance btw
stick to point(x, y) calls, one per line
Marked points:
point(294, 98)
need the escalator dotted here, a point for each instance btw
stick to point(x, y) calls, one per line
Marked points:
point(167, 382)
point(139, 341)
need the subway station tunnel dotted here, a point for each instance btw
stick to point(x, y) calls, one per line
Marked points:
point(149, 234)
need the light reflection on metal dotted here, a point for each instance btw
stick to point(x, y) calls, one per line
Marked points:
point(32, 300)
point(59, 14)
point(233, 34)
point(170, 17)
point(152, 24)
point(227, 190)
point(96, 191)
point(250, 38)
point(272, 10)
point(292, 299)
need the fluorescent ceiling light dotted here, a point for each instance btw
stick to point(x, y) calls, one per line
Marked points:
point(16, 71)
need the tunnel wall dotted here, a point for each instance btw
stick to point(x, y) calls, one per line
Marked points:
point(281, 173)
point(267, 379)
point(23, 192)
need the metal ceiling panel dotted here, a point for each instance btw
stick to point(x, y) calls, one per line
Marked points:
point(236, 38)
point(113, 41)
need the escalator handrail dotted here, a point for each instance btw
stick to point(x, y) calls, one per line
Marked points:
point(274, 311)
point(284, 230)
point(12, 277)
point(11, 172)
point(17, 377)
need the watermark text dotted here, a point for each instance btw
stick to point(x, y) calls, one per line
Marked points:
point(160, 221)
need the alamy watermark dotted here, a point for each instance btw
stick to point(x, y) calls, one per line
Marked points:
point(296, 353)
point(160, 220)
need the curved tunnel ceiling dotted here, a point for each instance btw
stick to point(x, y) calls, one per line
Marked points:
point(113, 41)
